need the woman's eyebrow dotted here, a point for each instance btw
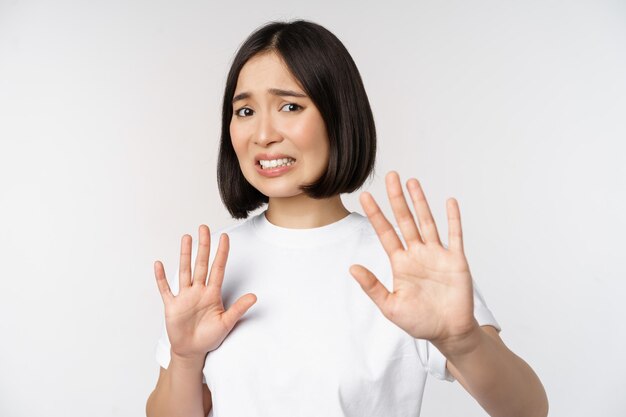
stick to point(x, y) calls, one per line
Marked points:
point(285, 93)
point(275, 91)
point(241, 96)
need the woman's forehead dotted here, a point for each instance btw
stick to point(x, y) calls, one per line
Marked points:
point(264, 72)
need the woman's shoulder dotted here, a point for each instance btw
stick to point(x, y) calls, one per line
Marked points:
point(235, 227)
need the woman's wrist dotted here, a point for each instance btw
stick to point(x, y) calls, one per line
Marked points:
point(186, 362)
point(461, 345)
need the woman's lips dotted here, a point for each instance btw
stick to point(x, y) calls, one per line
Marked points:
point(273, 172)
point(270, 156)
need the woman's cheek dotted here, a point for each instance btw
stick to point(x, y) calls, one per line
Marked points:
point(236, 138)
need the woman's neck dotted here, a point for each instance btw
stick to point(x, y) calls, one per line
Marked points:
point(302, 212)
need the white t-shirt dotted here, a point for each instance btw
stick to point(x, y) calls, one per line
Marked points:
point(314, 344)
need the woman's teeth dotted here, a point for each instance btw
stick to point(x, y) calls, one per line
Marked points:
point(265, 164)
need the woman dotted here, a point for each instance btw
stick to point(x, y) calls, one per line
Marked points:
point(326, 336)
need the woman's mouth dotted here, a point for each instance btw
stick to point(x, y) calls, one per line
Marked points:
point(274, 167)
point(274, 163)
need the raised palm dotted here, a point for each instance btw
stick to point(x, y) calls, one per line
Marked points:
point(432, 296)
point(195, 319)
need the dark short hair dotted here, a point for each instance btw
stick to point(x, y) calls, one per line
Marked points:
point(329, 76)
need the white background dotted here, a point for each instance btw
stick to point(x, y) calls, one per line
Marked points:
point(109, 126)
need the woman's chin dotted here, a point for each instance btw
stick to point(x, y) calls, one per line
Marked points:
point(281, 194)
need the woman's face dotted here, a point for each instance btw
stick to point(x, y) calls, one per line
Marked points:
point(273, 120)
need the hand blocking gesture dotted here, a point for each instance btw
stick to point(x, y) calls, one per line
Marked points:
point(432, 295)
point(195, 319)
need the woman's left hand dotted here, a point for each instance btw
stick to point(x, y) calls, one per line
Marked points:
point(432, 295)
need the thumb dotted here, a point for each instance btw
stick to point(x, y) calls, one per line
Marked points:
point(371, 285)
point(238, 309)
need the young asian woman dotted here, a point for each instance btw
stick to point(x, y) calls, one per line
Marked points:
point(349, 313)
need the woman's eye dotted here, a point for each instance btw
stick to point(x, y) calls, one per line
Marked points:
point(243, 112)
point(291, 107)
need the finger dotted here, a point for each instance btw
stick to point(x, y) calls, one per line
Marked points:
point(455, 232)
point(219, 264)
point(184, 269)
point(164, 286)
point(385, 231)
point(202, 258)
point(401, 210)
point(426, 222)
point(371, 285)
point(238, 309)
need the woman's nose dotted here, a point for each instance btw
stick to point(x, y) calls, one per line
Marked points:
point(266, 131)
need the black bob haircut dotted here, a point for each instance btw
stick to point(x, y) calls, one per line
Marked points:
point(329, 76)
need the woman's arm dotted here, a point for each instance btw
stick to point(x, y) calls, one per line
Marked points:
point(196, 323)
point(180, 391)
point(433, 299)
point(501, 382)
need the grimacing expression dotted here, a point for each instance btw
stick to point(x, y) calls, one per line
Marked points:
point(273, 115)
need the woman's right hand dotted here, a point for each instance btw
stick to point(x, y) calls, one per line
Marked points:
point(195, 319)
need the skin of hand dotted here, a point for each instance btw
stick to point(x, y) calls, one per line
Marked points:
point(195, 319)
point(432, 295)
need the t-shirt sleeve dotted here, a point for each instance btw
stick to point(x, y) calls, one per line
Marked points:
point(162, 351)
point(433, 360)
